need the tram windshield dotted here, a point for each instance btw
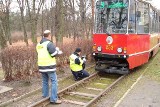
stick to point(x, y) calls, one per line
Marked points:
point(111, 16)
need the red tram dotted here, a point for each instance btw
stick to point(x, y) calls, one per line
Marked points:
point(126, 34)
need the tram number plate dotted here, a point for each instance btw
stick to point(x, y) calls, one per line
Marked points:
point(109, 47)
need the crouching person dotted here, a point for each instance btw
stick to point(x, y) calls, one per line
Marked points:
point(77, 65)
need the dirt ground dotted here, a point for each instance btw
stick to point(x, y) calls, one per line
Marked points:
point(21, 87)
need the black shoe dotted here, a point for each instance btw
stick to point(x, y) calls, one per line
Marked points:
point(78, 79)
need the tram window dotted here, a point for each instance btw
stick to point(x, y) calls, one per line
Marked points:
point(156, 24)
point(138, 14)
point(111, 16)
point(142, 18)
point(132, 18)
point(153, 20)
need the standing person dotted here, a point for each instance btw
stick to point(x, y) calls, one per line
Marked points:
point(77, 65)
point(47, 66)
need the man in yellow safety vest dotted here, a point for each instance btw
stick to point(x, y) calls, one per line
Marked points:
point(77, 65)
point(47, 66)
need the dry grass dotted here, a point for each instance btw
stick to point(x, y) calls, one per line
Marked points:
point(20, 42)
point(17, 38)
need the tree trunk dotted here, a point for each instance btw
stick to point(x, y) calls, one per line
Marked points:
point(42, 24)
point(83, 16)
point(3, 41)
point(24, 29)
point(33, 15)
point(8, 31)
point(52, 22)
point(59, 24)
point(92, 2)
point(33, 22)
point(21, 6)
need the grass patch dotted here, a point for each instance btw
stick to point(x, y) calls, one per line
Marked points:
point(77, 98)
point(66, 82)
point(85, 90)
point(1, 74)
point(153, 71)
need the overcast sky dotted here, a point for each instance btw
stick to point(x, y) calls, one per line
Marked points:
point(156, 3)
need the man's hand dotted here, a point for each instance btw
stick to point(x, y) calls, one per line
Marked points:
point(57, 48)
point(59, 51)
point(84, 58)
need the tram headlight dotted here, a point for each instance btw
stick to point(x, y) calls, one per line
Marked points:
point(119, 50)
point(94, 47)
point(109, 40)
point(99, 48)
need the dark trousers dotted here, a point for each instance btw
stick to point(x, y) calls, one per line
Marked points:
point(80, 74)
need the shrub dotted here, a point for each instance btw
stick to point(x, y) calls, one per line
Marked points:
point(69, 48)
point(19, 62)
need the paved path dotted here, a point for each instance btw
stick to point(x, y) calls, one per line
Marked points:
point(146, 93)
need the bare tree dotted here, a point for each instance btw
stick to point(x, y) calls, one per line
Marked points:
point(42, 18)
point(3, 41)
point(34, 15)
point(59, 21)
point(21, 4)
point(73, 13)
point(84, 6)
point(6, 20)
point(52, 18)
point(93, 3)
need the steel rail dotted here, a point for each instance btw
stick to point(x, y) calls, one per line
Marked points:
point(104, 92)
point(45, 101)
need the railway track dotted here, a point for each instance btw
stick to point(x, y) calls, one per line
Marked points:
point(34, 96)
point(84, 92)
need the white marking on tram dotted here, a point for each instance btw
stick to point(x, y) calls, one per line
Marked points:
point(144, 51)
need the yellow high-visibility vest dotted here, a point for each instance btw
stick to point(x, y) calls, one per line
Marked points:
point(75, 67)
point(44, 58)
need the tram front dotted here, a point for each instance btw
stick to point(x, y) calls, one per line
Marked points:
point(110, 36)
